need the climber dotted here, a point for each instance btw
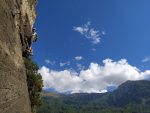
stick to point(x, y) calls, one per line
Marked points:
point(34, 35)
point(31, 39)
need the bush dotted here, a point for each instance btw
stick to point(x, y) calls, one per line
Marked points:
point(34, 82)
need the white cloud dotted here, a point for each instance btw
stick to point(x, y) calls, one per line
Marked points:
point(93, 49)
point(64, 63)
point(94, 79)
point(103, 91)
point(80, 66)
point(146, 74)
point(78, 58)
point(103, 33)
point(82, 29)
point(146, 59)
point(88, 32)
point(47, 61)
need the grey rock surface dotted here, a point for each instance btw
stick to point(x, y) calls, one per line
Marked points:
point(16, 20)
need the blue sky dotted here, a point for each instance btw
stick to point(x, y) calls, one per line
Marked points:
point(122, 28)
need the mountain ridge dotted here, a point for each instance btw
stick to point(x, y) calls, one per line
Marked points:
point(127, 98)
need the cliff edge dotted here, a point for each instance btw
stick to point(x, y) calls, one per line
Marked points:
point(16, 22)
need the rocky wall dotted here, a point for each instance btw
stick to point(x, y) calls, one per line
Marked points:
point(16, 21)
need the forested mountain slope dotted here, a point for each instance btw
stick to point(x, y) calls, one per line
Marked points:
point(130, 97)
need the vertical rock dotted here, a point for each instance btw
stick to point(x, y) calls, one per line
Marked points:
point(17, 19)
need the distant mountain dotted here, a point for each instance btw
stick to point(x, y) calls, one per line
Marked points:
point(130, 97)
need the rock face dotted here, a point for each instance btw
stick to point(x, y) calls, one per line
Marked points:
point(16, 22)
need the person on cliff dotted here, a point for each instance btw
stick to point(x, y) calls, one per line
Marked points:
point(31, 39)
point(34, 35)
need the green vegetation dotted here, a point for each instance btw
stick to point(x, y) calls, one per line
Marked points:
point(130, 97)
point(35, 83)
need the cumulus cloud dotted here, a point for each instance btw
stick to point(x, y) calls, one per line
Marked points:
point(90, 33)
point(78, 58)
point(146, 59)
point(94, 79)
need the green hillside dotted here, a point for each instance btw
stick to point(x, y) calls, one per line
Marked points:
point(130, 97)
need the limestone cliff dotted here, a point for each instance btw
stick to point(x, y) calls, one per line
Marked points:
point(16, 21)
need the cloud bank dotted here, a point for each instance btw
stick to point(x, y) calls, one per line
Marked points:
point(95, 79)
